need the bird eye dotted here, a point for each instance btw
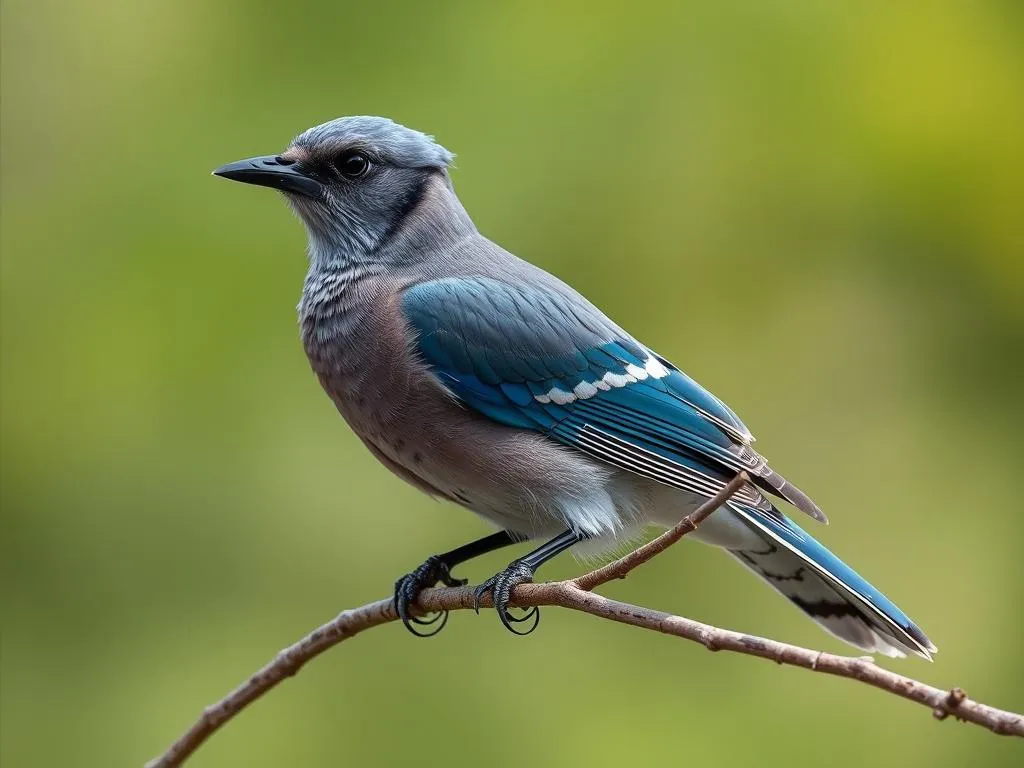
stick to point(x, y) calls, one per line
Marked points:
point(352, 165)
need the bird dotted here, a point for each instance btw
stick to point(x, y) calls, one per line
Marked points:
point(483, 380)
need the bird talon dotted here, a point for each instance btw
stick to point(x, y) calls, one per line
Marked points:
point(408, 588)
point(427, 620)
point(480, 591)
point(440, 615)
point(529, 614)
point(500, 586)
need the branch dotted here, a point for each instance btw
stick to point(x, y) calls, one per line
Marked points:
point(576, 594)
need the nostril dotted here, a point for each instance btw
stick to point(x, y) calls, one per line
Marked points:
point(282, 160)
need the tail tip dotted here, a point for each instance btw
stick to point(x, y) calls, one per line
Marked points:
point(926, 646)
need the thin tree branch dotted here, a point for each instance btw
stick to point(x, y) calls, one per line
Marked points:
point(576, 594)
point(619, 568)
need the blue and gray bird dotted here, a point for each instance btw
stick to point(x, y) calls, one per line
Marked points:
point(482, 379)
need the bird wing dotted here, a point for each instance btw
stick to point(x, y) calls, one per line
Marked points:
point(543, 358)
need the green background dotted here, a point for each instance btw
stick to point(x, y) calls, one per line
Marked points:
point(814, 208)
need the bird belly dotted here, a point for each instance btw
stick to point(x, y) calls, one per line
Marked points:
point(517, 479)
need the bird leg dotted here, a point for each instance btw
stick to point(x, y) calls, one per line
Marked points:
point(437, 568)
point(521, 571)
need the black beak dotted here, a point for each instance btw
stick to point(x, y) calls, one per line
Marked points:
point(273, 171)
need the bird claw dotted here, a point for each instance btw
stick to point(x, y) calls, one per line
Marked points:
point(408, 588)
point(500, 586)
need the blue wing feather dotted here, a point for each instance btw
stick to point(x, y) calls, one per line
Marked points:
point(538, 359)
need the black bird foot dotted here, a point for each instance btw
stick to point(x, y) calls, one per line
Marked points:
point(500, 586)
point(408, 588)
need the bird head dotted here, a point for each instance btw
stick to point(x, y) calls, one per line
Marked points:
point(352, 180)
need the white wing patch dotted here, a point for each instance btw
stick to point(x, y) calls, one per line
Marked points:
point(587, 389)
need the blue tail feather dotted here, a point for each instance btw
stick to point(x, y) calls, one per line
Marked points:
point(827, 589)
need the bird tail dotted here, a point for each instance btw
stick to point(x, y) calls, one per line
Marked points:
point(826, 589)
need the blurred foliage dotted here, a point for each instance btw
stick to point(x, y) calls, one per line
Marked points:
point(815, 208)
